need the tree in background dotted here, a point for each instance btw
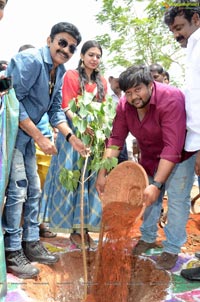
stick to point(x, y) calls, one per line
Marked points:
point(132, 39)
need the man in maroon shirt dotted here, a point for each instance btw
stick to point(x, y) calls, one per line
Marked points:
point(154, 113)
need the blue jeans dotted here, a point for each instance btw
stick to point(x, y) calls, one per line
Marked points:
point(23, 195)
point(178, 187)
point(123, 156)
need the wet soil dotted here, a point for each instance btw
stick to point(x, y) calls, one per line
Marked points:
point(64, 281)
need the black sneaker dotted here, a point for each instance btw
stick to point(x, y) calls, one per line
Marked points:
point(192, 274)
point(197, 254)
point(18, 265)
point(36, 252)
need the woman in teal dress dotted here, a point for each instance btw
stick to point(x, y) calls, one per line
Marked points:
point(60, 207)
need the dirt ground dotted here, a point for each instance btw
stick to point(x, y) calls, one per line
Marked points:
point(64, 281)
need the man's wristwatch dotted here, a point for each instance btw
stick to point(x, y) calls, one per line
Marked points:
point(157, 184)
point(68, 136)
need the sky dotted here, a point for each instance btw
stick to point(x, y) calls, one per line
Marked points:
point(30, 22)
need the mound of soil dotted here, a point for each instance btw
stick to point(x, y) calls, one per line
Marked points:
point(63, 281)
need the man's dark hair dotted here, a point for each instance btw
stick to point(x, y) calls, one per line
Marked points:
point(183, 8)
point(3, 64)
point(67, 28)
point(156, 67)
point(95, 75)
point(166, 74)
point(135, 75)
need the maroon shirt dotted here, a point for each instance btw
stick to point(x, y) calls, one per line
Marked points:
point(161, 133)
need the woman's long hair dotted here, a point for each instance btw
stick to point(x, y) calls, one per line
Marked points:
point(95, 76)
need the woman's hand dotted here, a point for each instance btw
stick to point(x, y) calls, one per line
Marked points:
point(79, 146)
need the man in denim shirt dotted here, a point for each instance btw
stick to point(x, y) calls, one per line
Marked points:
point(37, 79)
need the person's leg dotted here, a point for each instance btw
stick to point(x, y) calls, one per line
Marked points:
point(43, 163)
point(33, 248)
point(15, 197)
point(178, 188)
point(16, 261)
point(149, 226)
point(31, 206)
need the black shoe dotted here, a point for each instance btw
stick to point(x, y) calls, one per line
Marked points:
point(192, 274)
point(18, 265)
point(166, 261)
point(197, 254)
point(36, 252)
point(143, 246)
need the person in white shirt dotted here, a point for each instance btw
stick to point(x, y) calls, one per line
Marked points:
point(183, 20)
point(114, 89)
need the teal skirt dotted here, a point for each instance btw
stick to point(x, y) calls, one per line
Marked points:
point(61, 208)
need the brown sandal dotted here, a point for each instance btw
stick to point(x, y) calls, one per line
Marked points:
point(91, 243)
point(46, 233)
point(76, 240)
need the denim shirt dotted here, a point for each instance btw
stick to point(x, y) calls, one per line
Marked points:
point(30, 70)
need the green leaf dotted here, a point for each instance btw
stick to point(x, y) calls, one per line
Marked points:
point(83, 112)
point(136, 35)
point(80, 162)
point(73, 106)
point(98, 116)
point(69, 179)
point(81, 125)
point(109, 163)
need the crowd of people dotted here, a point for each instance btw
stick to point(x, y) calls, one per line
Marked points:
point(163, 119)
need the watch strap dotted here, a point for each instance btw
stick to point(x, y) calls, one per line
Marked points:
point(68, 136)
point(158, 184)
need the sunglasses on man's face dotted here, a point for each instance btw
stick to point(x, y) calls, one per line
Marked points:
point(64, 43)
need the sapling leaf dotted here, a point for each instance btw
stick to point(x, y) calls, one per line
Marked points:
point(80, 162)
point(73, 106)
point(81, 125)
point(99, 117)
